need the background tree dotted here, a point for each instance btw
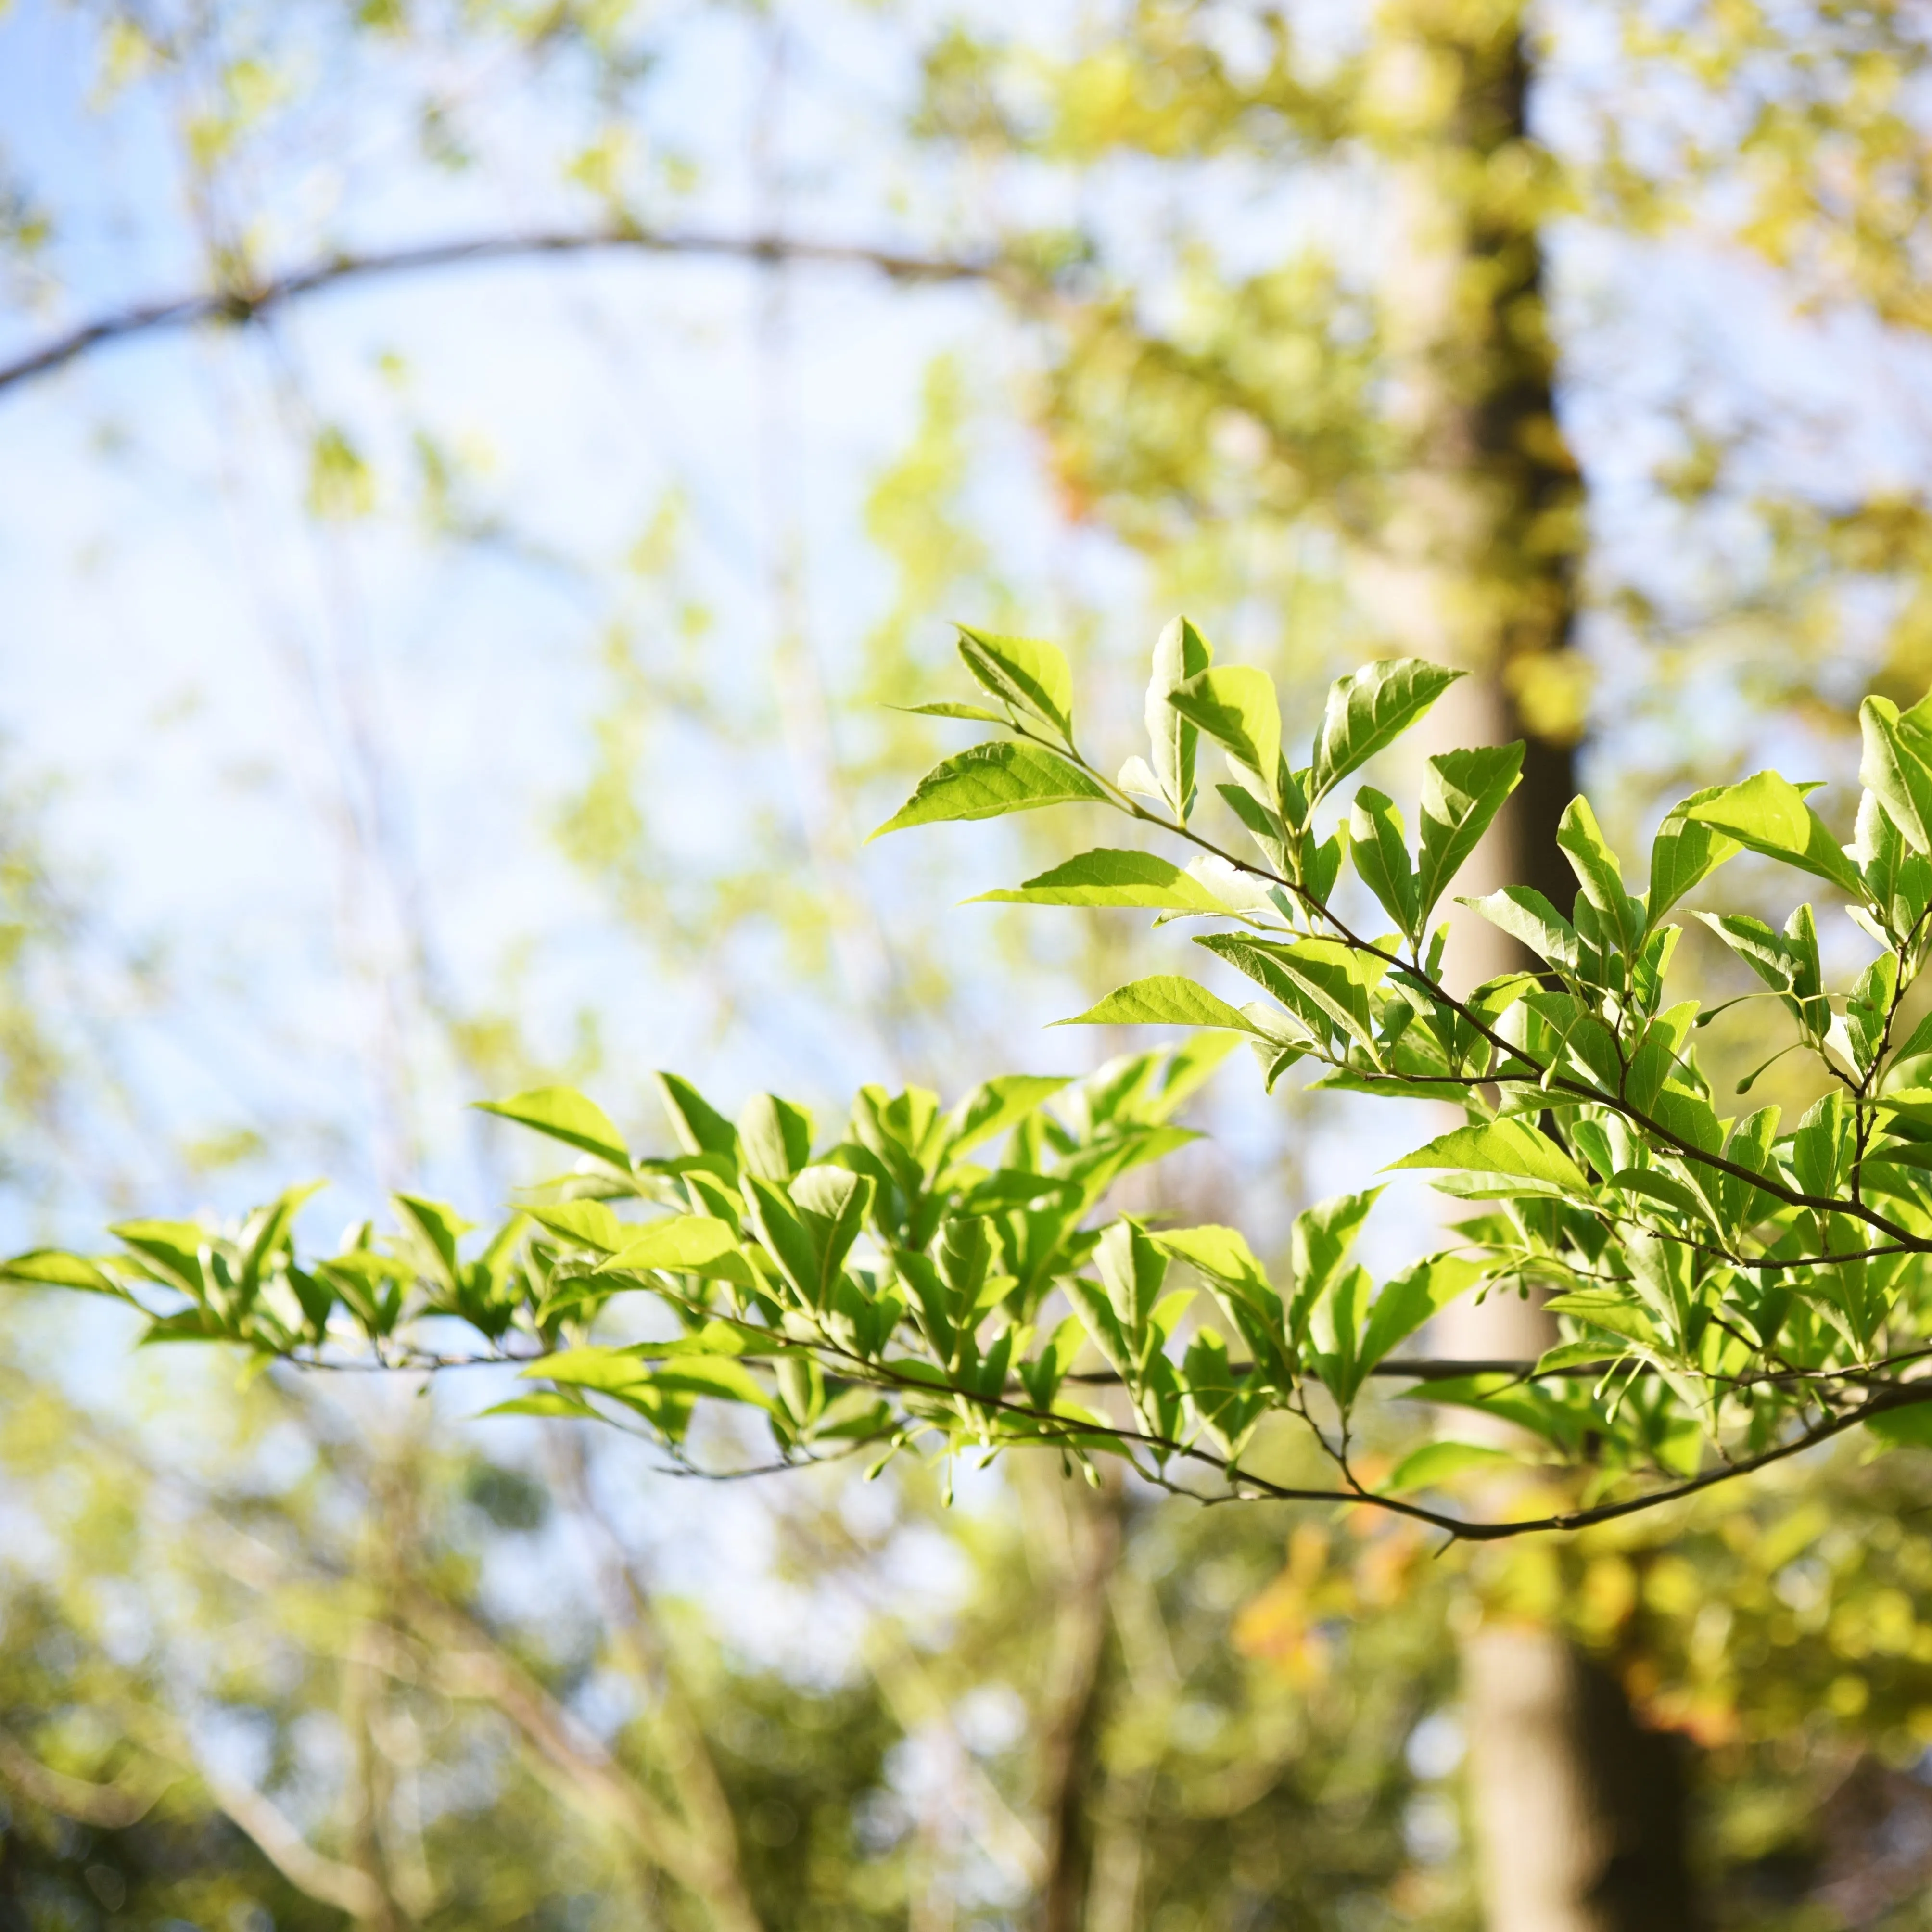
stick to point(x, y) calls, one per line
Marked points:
point(1759, 576)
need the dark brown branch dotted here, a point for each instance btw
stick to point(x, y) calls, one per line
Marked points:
point(245, 303)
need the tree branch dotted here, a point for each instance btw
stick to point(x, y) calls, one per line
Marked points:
point(109, 1807)
point(116, 1806)
point(245, 302)
point(703, 1803)
point(471, 1662)
point(325, 1879)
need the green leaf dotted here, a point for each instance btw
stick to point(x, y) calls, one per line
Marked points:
point(1893, 770)
point(1609, 1311)
point(1228, 1407)
point(185, 1324)
point(977, 713)
point(990, 780)
point(1368, 710)
point(623, 1371)
point(1409, 1300)
point(369, 1284)
point(553, 1403)
point(1573, 1355)
point(1031, 675)
point(1166, 999)
point(1898, 879)
point(1333, 1320)
point(1223, 1254)
point(1768, 813)
point(1318, 980)
point(1683, 855)
point(701, 1129)
point(604, 1368)
point(719, 1338)
point(723, 1378)
point(1787, 962)
point(1529, 919)
point(1097, 1314)
point(1462, 792)
point(1263, 822)
point(1908, 1426)
point(1253, 1303)
point(1435, 1463)
point(996, 1105)
point(1110, 878)
point(1236, 705)
point(786, 1238)
point(1506, 1399)
point(1380, 843)
point(566, 1115)
point(440, 1227)
point(684, 1245)
point(585, 1224)
point(1647, 1180)
point(1133, 1267)
point(1599, 875)
point(774, 1137)
point(268, 1231)
point(1161, 1082)
point(1323, 1237)
point(1180, 653)
point(1509, 1148)
point(810, 1234)
point(53, 1267)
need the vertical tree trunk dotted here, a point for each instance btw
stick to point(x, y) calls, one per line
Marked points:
point(1579, 1811)
point(1089, 1553)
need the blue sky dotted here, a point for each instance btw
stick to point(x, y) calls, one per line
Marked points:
point(308, 775)
point(216, 684)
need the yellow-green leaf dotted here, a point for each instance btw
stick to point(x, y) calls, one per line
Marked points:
point(1166, 999)
point(1112, 878)
point(566, 1115)
point(990, 780)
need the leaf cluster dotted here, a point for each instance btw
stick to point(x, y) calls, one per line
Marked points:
point(1731, 1289)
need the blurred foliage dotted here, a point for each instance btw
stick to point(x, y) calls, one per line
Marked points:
point(1252, 401)
point(400, 1667)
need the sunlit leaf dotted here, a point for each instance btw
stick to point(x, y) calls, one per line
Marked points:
point(1032, 676)
point(1236, 705)
point(1367, 711)
point(1768, 813)
point(1509, 1148)
point(564, 1114)
point(1164, 999)
point(1114, 878)
point(1180, 653)
point(989, 782)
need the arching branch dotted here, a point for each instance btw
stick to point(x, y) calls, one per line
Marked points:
point(242, 304)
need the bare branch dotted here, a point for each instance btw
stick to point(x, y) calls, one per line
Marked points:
point(632, 1614)
point(109, 1807)
point(245, 302)
point(470, 1662)
point(325, 1879)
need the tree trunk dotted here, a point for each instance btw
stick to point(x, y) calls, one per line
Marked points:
point(1579, 1811)
point(1088, 1553)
